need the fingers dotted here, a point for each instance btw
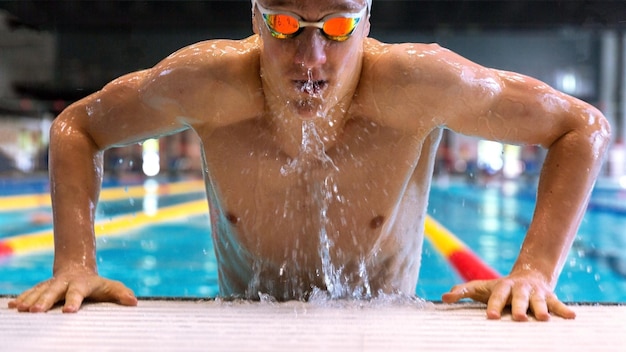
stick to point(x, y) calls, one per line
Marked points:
point(541, 302)
point(15, 303)
point(41, 297)
point(99, 290)
point(476, 290)
point(520, 302)
point(126, 297)
point(74, 298)
point(497, 294)
point(115, 291)
point(559, 308)
point(524, 297)
point(539, 307)
point(498, 300)
point(456, 293)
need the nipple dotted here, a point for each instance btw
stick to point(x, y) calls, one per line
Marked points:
point(232, 218)
point(377, 222)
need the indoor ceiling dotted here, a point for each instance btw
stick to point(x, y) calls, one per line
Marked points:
point(386, 14)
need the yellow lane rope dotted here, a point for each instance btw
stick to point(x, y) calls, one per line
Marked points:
point(27, 201)
point(44, 240)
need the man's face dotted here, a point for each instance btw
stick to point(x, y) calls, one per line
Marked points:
point(310, 71)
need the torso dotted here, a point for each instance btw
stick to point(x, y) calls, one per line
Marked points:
point(278, 220)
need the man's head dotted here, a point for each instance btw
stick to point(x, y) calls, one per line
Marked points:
point(311, 50)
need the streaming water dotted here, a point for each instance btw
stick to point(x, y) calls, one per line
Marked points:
point(312, 154)
point(311, 150)
point(310, 86)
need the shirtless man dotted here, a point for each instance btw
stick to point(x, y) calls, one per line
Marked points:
point(319, 145)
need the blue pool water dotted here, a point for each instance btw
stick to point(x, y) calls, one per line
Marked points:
point(175, 258)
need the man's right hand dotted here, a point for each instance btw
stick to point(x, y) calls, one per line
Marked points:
point(72, 286)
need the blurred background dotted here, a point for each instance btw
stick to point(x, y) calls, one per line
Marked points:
point(55, 52)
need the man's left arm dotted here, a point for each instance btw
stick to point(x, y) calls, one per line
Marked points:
point(519, 109)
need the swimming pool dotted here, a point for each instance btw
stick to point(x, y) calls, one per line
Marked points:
point(169, 253)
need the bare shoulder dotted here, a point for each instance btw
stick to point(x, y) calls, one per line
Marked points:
point(412, 84)
point(412, 63)
point(208, 76)
point(209, 54)
point(217, 59)
point(377, 49)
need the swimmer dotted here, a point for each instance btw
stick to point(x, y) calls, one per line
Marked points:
point(319, 144)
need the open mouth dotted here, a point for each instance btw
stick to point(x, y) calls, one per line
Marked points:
point(310, 86)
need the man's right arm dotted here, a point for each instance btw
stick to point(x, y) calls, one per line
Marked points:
point(193, 86)
point(115, 115)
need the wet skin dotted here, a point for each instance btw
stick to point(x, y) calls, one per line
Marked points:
point(378, 110)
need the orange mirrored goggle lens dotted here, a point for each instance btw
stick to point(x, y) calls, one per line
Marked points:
point(282, 24)
point(286, 26)
point(340, 26)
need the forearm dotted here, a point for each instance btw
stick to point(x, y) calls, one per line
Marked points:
point(75, 175)
point(570, 170)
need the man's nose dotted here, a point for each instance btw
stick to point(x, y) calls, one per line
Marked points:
point(311, 48)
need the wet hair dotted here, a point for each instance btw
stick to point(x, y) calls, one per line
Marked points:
point(368, 2)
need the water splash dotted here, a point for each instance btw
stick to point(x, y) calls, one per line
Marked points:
point(338, 283)
point(312, 156)
point(310, 86)
point(322, 192)
point(322, 298)
point(311, 149)
point(332, 274)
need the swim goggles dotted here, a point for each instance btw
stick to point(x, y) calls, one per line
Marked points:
point(337, 27)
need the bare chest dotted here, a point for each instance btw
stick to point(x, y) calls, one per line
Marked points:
point(347, 193)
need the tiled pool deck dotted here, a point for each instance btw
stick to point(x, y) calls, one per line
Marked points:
point(171, 325)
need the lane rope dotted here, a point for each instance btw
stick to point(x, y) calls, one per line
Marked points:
point(118, 225)
point(39, 200)
point(467, 263)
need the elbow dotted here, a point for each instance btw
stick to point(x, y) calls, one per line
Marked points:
point(63, 130)
point(588, 140)
point(599, 134)
point(68, 134)
point(60, 127)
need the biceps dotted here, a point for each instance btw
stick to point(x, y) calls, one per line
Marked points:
point(525, 111)
point(538, 115)
point(117, 115)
